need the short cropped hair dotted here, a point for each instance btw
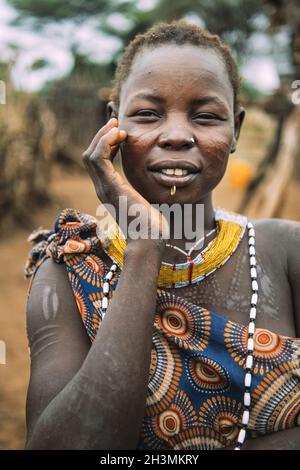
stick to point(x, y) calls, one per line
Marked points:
point(179, 33)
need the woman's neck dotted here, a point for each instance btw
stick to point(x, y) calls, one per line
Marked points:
point(193, 219)
point(195, 222)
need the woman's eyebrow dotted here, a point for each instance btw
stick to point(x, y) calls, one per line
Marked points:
point(207, 100)
point(195, 101)
point(148, 97)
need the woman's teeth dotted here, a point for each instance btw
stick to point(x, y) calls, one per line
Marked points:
point(174, 171)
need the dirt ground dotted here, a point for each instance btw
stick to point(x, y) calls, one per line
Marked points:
point(72, 190)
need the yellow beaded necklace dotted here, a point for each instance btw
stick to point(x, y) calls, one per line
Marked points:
point(230, 230)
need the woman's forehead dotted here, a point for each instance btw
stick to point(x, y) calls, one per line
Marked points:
point(170, 69)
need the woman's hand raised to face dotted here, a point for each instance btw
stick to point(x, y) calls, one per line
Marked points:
point(110, 185)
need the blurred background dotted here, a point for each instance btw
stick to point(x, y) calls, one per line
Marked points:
point(57, 60)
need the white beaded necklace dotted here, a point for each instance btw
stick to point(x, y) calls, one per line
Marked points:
point(251, 329)
point(188, 254)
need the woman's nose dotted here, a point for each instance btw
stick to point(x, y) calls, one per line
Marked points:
point(176, 138)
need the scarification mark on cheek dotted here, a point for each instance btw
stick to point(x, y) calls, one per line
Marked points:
point(216, 150)
point(136, 136)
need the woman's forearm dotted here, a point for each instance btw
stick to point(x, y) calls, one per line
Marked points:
point(103, 405)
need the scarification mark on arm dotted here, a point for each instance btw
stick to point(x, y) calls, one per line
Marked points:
point(37, 343)
point(41, 330)
point(43, 338)
point(42, 348)
point(50, 302)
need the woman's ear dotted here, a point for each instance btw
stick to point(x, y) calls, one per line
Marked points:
point(238, 122)
point(111, 110)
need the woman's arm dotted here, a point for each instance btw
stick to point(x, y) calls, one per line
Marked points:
point(102, 405)
point(289, 234)
point(100, 402)
point(290, 438)
point(292, 242)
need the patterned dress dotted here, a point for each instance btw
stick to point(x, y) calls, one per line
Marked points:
point(196, 378)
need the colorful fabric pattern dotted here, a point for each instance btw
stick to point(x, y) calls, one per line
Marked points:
point(196, 377)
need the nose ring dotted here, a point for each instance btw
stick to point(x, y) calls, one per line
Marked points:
point(192, 140)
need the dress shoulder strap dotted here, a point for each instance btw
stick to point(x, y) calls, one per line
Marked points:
point(74, 233)
point(74, 242)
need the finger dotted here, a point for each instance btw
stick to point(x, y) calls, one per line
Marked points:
point(109, 142)
point(120, 138)
point(103, 150)
point(111, 137)
point(115, 148)
point(123, 135)
point(106, 148)
point(113, 122)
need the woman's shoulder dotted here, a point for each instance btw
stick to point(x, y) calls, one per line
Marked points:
point(66, 266)
point(276, 223)
point(53, 320)
point(73, 233)
point(284, 230)
point(280, 238)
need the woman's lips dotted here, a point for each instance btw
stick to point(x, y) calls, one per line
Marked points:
point(171, 180)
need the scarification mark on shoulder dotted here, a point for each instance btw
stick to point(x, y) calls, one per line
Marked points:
point(50, 302)
point(45, 292)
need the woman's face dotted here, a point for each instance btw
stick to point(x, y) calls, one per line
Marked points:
point(177, 108)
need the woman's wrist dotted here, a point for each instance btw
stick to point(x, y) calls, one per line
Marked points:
point(145, 248)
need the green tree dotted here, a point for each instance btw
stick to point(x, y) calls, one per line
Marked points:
point(233, 20)
point(230, 18)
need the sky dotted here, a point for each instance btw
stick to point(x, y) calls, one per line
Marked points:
point(57, 38)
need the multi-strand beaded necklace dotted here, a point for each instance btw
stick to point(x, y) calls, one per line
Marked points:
point(230, 230)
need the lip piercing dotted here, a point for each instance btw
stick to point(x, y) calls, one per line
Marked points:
point(173, 190)
point(192, 140)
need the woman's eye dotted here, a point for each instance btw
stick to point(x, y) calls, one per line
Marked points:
point(146, 113)
point(207, 116)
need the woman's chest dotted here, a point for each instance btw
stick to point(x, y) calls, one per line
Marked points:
point(227, 292)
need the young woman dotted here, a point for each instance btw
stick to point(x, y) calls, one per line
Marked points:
point(135, 345)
